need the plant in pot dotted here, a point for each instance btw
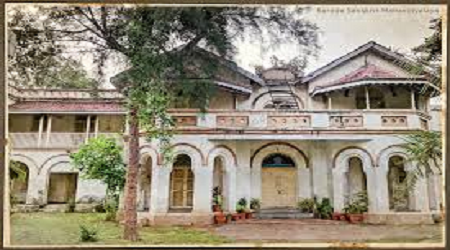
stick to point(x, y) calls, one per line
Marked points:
point(240, 208)
point(306, 205)
point(356, 207)
point(255, 204)
point(217, 200)
point(220, 218)
point(229, 217)
point(323, 209)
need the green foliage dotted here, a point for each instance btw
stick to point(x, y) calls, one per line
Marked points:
point(242, 202)
point(323, 209)
point(424, 149)
point(87, 234)
point(306, 205)
point(101, 159)
point(357, 204)
point(71, 205)
point(255, 204)
point(111, 207)
point(241, 205)
point(16, 171)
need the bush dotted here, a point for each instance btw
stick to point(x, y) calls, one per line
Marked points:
point(99, 208)
point(358, 204)
point(323, 210)
point(242, 202)
point(111, 206)
point(88, 235)
point(255, 204)
point(306, 205)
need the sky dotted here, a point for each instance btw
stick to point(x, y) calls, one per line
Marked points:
point(342, 28)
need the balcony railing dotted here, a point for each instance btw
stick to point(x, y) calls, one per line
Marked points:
point(302, 120)
point(55, 140)
point(267, 120)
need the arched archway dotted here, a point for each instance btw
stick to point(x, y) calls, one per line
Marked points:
point(19, 176)
point(145, 183)
point(356, 178)
point(181, 184)
point(224, 159)
point(293, 181)
point(341, 173)
point(399, 198)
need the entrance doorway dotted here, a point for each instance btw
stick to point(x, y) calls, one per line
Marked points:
point(279, 182)
point(62, 187)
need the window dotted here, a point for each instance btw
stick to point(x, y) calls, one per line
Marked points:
point(181, 184)
point(277, 160)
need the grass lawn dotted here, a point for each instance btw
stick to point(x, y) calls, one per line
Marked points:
point(64, 229)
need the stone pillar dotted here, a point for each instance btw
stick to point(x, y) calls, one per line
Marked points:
point(320, 164)
point(420, 201)
point(203, 185)
point(382, 191)
point(159, 202)
point(433, 192)
point(231, 189)
point(245, 186)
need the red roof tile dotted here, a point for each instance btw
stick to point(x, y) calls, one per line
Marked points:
point(64, 106)
point(369, 71)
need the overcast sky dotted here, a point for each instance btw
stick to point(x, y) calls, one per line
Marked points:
point(342, 29)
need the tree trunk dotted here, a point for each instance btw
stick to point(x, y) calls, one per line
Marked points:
point(130, 211)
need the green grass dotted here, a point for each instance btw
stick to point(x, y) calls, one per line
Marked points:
point(64, 229)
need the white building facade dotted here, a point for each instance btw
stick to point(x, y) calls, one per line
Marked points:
point(278, 137)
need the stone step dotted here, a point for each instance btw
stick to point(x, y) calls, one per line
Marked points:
point(282, 213)
point(283, 216)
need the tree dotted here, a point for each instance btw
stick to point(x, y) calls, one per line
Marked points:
point(38, 59)
point(101, 159)
point(425, 147)
point(158, 44)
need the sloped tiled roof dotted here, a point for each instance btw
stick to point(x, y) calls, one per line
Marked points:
point(369, 71)
point(65, 106)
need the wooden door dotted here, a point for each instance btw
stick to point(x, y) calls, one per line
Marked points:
point(182, 188)
point(279, 187)
point(62, 187)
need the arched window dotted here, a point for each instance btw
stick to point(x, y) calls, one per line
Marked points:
point(181, 183)
point(278, 160)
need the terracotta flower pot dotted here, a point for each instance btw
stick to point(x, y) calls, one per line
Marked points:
point(248, 215)
point(236, 217)
point(220, 218)
point(216, 208)
point(336, 216)
point(355, 218)
point(343, 217)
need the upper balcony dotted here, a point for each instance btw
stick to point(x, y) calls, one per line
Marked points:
point(272, 121)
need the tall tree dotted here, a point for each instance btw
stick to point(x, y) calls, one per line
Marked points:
point(158, 44)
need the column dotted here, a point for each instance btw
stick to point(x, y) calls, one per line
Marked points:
point(382, 191)
point(367, 97)
point(413, 100)
point(329, 101)
point(96, 126)
point(160, 190)
point(246, 185)
point(320, 164)
point(41, 129)
point(231, 187)
point(420, 201)
point(49, 129)
point(88, 127)
point(202, 189)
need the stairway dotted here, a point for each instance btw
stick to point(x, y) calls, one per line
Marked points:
point(282, 213)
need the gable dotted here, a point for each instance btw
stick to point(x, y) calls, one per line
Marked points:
point(366, 65)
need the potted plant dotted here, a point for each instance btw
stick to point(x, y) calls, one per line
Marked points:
point(306, 205)
point(217, 200)
point(357, 207)
point(229, 217)
point(240, 208)
point(255, 204)
point(220, 218)
point(323, 209)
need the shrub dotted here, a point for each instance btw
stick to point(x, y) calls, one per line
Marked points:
point(323, 210)
point(358, 204)
point(111, 206)
point(255, 204)
point(71, 205)
point(242, 202)
point(88, 235)
point(99, 208)
point(306, 205)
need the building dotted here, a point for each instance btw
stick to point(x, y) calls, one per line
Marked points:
point(277, 136)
